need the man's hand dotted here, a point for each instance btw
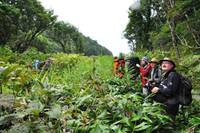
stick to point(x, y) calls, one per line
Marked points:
point(155, 90)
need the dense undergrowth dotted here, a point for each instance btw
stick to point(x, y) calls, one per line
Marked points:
point(79, 94)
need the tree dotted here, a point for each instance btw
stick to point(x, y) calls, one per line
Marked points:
point(140, 25)
point(165, 23)
point(65, 35)
point(8, 25)
point(33, 19)
point(25, 24)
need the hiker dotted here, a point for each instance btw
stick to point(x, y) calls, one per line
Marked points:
point(36, 64)
point(2, 68)
point(47, 64)
point(166, 92)
point(145, 69)
point(155, 76)
point(121, 66)
point(115, 65)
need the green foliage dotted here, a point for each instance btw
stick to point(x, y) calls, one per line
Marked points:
point(64, 34)
point(66, 61)
point(78, 94)
point(7, 55)
point(162, 34)
point(8, 15)
point(26, 58)
point(92, 47)
point(28, 21)
point(30, 55)
point(27, 24)
point(17, 78)
point(45, 44)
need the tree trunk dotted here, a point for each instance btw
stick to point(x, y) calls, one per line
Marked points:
point(148, 26)
point(172, 27)
point(1, 89)
point(193, 34)
point(63, 47)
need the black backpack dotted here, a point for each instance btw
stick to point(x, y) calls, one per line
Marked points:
point(132, 61)
point(132, 69)
point(185, 91)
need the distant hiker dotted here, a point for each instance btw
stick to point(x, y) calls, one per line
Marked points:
point(167, 91)
point(155, 76)
point(47, 64)
point(36, 64)
point(121, 66)
point(42, 65)
point(145, 69)
point(1, 67)
point(115, 65)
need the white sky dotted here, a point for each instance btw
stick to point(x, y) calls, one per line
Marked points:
point(102, 20)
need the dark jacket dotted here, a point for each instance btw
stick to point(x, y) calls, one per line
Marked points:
point(155, 75)
point(168, 92)
point(155, 79)
point(169, 85)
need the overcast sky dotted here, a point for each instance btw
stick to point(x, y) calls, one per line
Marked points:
point(102, 20)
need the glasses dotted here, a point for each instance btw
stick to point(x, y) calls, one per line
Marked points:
point(166, 62)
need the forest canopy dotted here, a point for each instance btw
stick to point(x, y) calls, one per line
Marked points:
point(26, 24)
point(159, 24)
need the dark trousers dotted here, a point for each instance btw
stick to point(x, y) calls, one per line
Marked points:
point(172, 110)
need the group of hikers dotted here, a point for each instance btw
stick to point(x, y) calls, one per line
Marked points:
point(42, 65)
point(158, 78)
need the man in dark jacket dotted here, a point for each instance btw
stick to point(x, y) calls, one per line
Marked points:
point(167, 91)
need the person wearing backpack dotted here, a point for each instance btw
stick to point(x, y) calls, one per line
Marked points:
point(168, 89)
point(133, 70)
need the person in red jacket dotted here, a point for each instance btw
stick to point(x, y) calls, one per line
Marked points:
point(145, 69)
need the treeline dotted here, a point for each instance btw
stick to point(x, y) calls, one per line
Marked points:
point(164, 24)
point(26, 23)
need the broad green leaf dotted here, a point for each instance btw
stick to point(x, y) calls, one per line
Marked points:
point(142, 126)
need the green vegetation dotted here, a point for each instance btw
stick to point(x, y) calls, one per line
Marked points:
point(165, 24)
point(78, 94)
point(26, 24)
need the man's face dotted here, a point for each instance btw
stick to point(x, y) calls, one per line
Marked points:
point(166, 66)
point(143, 63)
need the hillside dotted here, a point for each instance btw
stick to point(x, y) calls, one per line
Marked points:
point(28, 24)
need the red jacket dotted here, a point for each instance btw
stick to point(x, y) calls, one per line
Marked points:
point(144, 72)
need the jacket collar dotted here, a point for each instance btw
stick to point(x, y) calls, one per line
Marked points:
point(165, 74)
